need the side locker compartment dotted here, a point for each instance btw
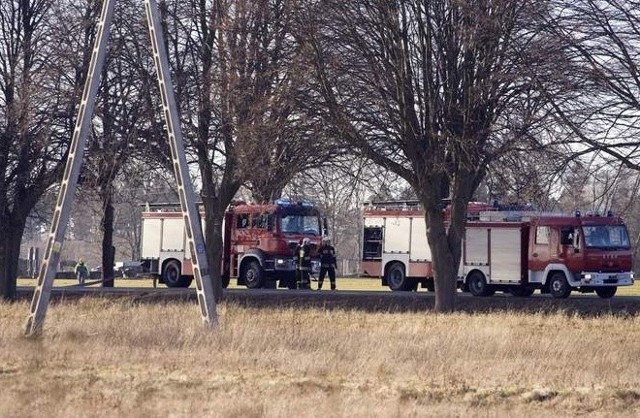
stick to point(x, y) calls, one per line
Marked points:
point(506, 255)
point(173, 235)
point(476, 249)
point(397, 235)
point(419, 247)
point(151, 237)
point(372, 239)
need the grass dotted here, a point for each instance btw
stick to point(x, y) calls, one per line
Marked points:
point(346, 283)
point(101, 357)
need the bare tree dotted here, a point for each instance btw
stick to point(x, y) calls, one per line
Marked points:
point(38, 84)
point(601, 40)
point(433, 91)
point(289, 132)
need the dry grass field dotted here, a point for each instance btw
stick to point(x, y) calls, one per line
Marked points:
point(109, 358)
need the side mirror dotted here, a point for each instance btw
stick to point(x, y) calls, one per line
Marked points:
point(325, 227)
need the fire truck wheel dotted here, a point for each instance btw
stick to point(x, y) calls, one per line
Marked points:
point(253, 275)
point(171, 275)
point(522, 292)
point(558, 286)
point(606, 292)
point(396, 277)
point(478, 285)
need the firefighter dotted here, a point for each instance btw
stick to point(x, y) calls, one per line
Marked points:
point(303, 264)
point(82, 272)
point(327, 263)
point(298, 276)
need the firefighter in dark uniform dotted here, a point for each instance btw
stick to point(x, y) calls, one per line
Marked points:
point(303, 264)
point(327, 263)
point(296, 262)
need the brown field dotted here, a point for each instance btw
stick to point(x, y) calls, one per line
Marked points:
point(102, 357)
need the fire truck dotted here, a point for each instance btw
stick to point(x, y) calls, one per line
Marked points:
point(503, 250)
point(258, 243)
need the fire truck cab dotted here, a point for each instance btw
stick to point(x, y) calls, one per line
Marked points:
point(259, 241)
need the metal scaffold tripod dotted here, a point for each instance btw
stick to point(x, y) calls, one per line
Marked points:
point(195, 240)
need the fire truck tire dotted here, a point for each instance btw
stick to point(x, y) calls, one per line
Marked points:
point(253, 275)
point(396, 277)
point(559, 286)
point(522, 291)
point(171, 275)
point(478, 285)
point(606, 292)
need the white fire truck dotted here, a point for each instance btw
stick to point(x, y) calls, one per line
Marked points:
point(509, 251)
point(258, 249)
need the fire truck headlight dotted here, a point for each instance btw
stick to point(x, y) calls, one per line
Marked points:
point(588, 277)
point(280, 261)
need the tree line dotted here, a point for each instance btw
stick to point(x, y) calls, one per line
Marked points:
point(453, 97)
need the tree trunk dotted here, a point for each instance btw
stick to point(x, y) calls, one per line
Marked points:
point(10, 240)
point(215, 206)
point(444, 264)
point(445, 231)
point(213, 234)
point(108, 250)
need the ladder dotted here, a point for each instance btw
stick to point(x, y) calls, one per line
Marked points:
point(204, 287)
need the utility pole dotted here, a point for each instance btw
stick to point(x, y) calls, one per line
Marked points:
point(204, 287)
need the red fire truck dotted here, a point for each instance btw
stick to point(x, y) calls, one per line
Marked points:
point(258, 243)
point(509, 251)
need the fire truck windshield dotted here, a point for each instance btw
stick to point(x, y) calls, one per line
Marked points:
point(300, 224)
point(606, 236)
